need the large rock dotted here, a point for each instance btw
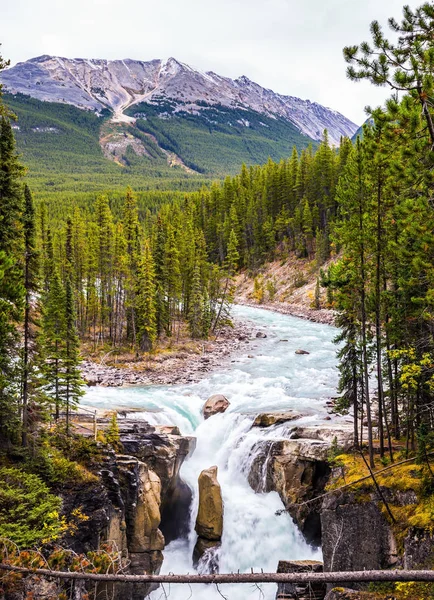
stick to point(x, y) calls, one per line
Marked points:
point(307, 591)
point(275, 418)
point(143, 490)
point(418, 549)
point(214, 405)
point(298, 470)
point(356, 535)
point(164, 454)
point(209, 521)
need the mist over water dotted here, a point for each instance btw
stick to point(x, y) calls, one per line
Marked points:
point(274, 380)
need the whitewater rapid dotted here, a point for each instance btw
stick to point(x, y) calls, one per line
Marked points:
point(274, 378)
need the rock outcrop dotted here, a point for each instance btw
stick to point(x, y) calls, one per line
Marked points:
point(275, 418)
point(214, 405)
point(164, 453)
point(126, 506)
point(418, 549)
point(209, 521)
point(291, 591)
point(356, 535)
point(298, 470)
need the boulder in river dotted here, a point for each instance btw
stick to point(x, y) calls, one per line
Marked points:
point(299, 351)
point(209, 522)
point(261, 334)
point(274, 418)
point(215, 404)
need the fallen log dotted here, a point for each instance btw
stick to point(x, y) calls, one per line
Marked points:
point(219, 578)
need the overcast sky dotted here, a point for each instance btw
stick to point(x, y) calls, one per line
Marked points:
point(291, 46)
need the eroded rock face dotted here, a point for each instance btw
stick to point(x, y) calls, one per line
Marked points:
point(356, 534)
point(143, 488)
point(126, 506)
point(214, 405)
point(163, 453)
point(418, 549)
point(209, 522)
point(298, 470)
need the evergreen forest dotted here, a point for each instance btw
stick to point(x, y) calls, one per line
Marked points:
point(124, 268)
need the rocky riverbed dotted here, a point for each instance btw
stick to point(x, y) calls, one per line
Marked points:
point(185, 365)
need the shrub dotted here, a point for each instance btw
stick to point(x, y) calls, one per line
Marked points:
point(258, 290)
point(54, 468)
point(271, 289)
point(29, 513)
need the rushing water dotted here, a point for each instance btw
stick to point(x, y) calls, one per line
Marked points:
point(274, 379)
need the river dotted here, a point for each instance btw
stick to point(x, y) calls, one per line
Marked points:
point(274, 378)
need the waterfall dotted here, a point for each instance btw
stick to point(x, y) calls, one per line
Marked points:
point(274, 380)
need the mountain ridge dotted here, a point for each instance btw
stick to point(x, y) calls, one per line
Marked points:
point(118, 85)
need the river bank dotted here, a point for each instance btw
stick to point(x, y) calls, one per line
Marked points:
point(185, 363)
point(324, 316)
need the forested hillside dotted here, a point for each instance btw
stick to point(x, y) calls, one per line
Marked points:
point(123, 265)
point(75, 152)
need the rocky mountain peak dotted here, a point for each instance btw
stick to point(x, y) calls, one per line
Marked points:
point(97, 84)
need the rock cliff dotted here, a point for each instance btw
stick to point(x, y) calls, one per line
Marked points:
point(127, 507)
point(296, 468)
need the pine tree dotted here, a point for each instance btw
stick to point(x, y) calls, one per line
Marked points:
point(52, 340)
point(229, 270)
point(31, 285)
point(195, 315)
point(406, 65)
point(145, 301)
point(131, 231)
point(72, 381)
point(12, 293)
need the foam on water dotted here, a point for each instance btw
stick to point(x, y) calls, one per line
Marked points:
point(275, 379)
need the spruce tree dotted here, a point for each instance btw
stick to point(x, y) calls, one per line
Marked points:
point(145, 301)
point(72, 381)
point(12, 293)
point(52, 339)
point(196, 310)
point(31, 285)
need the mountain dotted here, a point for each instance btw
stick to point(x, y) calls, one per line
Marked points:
point(90, 125)
point(119, 84)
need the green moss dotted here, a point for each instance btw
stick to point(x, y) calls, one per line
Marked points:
point(409, 477)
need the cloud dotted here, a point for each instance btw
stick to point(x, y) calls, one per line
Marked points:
point(289, 46)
